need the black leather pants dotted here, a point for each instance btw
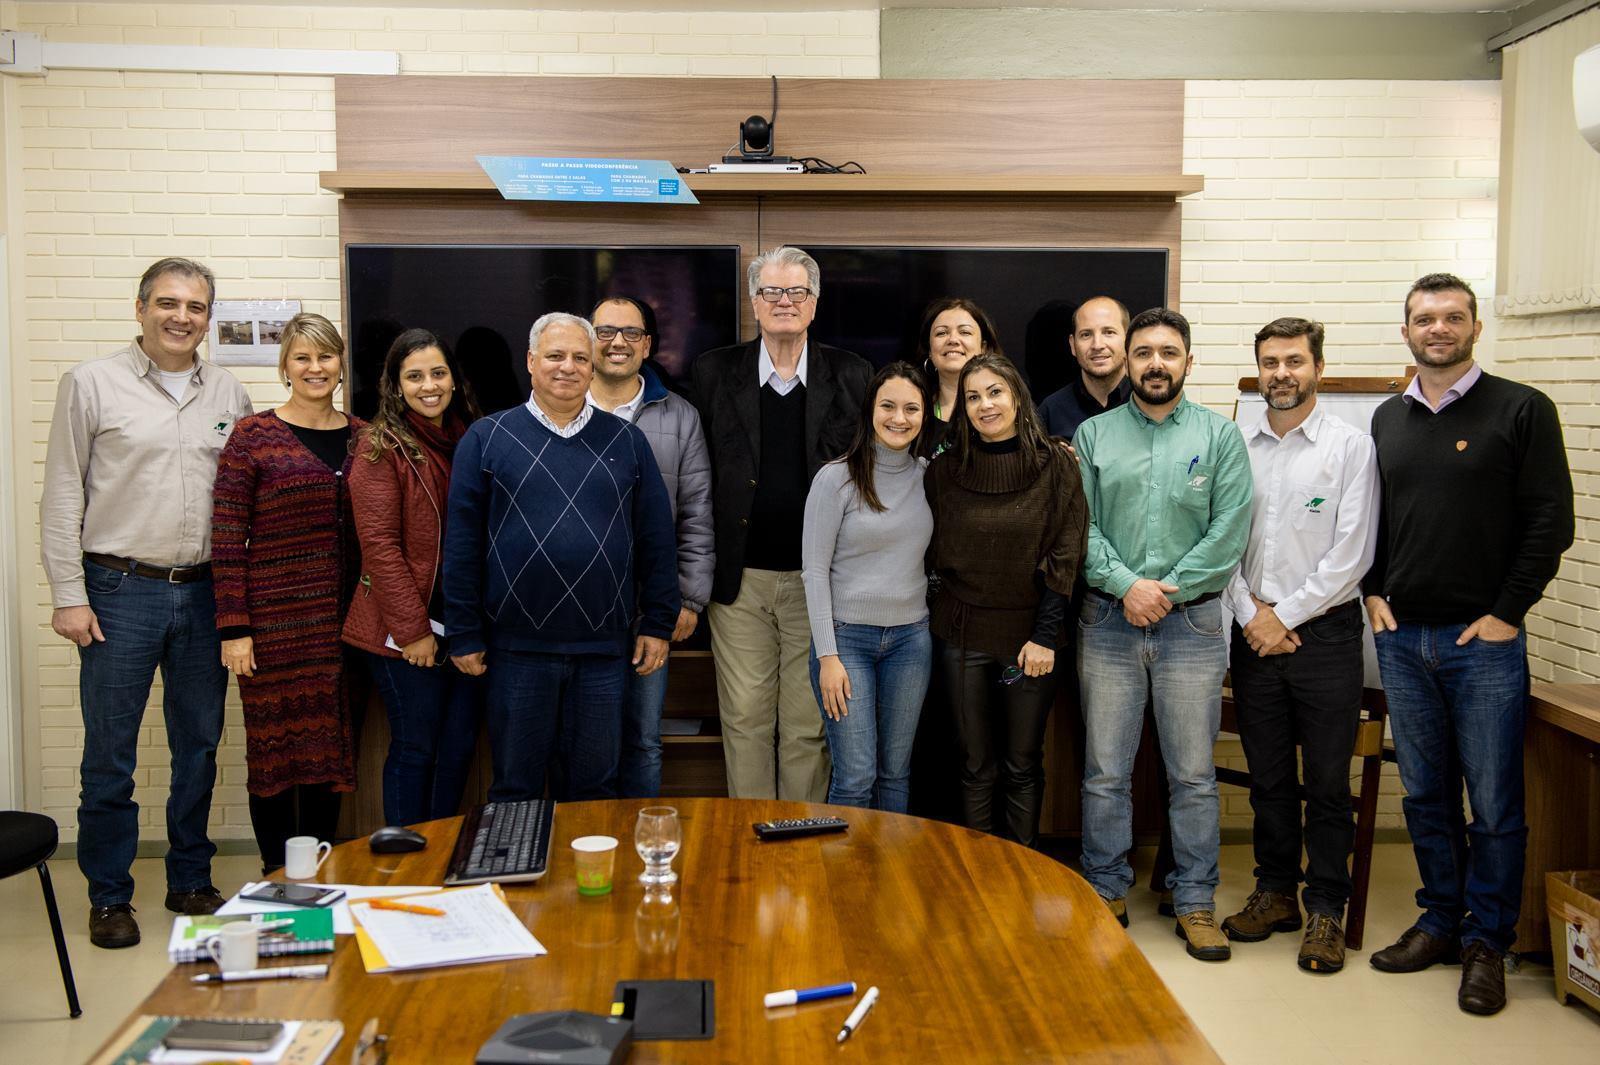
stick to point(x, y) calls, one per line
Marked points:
point(1000, 730)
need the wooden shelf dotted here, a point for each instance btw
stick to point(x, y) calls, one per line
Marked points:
point(1083, 186)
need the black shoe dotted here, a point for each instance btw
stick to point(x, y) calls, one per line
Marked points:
point(1483, 979)
point(195, 903)
point(1415, 951)
point(113, 927)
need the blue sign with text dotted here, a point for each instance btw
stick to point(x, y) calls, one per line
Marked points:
point(586, 180)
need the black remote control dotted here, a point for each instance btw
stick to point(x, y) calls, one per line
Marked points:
point(801, 826)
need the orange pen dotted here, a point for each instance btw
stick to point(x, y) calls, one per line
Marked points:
point(405, 907)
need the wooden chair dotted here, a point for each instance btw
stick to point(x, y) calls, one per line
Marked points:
point(1364, 799)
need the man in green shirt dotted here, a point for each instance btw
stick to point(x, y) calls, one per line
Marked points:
point(1169, 487)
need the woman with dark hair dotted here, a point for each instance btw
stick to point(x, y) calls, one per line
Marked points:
point(1010, 522)
point(284, 559)
point(399, 487)
point(867, 525)
point(954, 329)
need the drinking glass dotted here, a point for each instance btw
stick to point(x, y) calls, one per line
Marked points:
point(657, 837)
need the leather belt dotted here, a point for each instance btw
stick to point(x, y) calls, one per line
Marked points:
point(170, 574)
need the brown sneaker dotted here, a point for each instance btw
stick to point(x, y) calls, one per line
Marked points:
point(1119, 909)
point(113, 927)
point(1322, 947)
point(1205, 940)
point(1264, 913)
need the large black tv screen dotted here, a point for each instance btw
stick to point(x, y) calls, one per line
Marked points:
point(482, 300)
point(873, 298)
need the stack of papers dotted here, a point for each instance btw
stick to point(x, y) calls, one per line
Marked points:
point(342, 925)
point(477, 925)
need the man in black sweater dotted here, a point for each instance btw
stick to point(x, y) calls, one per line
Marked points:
point(774, 410)
point(1477, 510)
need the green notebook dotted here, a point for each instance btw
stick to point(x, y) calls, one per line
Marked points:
point(308, 931)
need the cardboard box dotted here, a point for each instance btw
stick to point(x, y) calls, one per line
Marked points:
point(1574, 902)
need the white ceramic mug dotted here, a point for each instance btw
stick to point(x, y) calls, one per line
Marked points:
point(233, 948)
point(303, 856)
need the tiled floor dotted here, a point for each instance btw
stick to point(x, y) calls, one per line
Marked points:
point(1257, 1009)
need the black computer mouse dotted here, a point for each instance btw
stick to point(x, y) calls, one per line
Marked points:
point(392, 839)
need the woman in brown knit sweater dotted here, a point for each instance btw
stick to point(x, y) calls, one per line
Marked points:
point(285, 562)
point(1009, 523)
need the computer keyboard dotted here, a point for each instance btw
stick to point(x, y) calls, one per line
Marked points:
point(504, 841)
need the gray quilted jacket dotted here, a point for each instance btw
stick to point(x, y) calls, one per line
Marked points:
point(672, 426)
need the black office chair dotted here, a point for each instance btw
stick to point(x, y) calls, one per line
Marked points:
point(27, 841)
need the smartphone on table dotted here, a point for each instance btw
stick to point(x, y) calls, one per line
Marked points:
point(246, 1036)
point(294, 894)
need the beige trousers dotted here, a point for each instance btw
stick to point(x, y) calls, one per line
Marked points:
point(760, 643)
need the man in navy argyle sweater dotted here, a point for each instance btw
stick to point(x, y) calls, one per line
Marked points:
point(560, 570)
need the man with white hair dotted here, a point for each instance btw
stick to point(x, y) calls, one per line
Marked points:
point(559, 533)
point(774, 410)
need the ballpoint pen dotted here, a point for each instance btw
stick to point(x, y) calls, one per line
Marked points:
point(859, 1014)
point(1191, 463)
point(807, 994)
point(288, 972)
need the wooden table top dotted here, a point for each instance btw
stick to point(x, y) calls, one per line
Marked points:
point(982, 950)
point(1572, 707)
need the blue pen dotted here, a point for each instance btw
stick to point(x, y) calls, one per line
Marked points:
point(1191, 465)
point(808, 994)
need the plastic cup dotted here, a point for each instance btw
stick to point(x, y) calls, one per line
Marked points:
point(595, 858)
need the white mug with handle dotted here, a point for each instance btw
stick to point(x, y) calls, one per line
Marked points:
point(303, 856)
point(234, 947)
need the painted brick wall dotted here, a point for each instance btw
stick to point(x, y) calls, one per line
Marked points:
point(121, 169)
point(1326, 199)
point(1560, 354)
point(1323, 198)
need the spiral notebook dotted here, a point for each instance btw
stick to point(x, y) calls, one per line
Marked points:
point(305, 931)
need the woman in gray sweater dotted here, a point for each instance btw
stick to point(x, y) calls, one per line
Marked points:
point(867, 527)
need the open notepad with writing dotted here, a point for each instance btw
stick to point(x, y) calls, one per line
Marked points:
point(476, 925)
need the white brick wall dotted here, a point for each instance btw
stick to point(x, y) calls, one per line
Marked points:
point(1561, 355)
point(121, 169)
point(1325, 198)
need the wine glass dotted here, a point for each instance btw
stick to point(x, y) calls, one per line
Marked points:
point(657, 837)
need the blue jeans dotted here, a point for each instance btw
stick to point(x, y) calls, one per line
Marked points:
point(538, 702)
point(1458, 715)
point(433, 733)
point(639, 776)
point(1179, 661)
point(871, 745)
point(148, 625)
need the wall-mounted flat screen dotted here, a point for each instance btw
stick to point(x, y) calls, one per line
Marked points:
point(873, 298)
point(482, 299)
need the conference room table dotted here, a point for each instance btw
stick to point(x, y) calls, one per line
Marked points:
point(982, 950)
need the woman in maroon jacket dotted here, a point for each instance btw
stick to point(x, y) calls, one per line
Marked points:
point(284, 562)
point(399, 485)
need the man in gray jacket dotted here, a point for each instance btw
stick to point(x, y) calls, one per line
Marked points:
point(629, 389)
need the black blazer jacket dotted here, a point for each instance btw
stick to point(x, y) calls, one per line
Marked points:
point(723, 385)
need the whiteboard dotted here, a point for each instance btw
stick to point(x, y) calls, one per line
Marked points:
point(1357, 409)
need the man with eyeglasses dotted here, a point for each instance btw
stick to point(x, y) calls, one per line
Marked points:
point(774, 410)
point(628, 388)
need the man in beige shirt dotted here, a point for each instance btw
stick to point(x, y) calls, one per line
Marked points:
point(125, 531)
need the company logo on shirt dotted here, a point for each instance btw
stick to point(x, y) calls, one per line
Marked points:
point(1314, 504)
point(1198, 481)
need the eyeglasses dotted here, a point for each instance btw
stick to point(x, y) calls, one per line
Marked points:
point(632, 334)
point(372, 1048)
point(772, 293)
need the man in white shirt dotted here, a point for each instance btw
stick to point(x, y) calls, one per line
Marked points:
point(1296, 655)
